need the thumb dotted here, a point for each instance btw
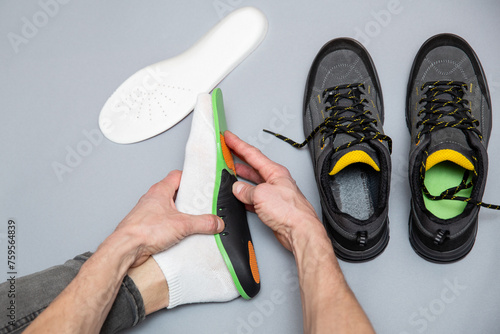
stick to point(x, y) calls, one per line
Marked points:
point(243, 192)
point(204, 224)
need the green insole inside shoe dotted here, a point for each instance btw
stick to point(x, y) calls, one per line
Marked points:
point(440, 177)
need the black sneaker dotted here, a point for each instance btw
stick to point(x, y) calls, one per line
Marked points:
point(343, 116)
point(448, 113)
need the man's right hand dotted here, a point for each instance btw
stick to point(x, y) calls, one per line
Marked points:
point(276, 199)
point(328, 304)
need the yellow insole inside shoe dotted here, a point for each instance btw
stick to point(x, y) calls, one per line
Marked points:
point(440, 177)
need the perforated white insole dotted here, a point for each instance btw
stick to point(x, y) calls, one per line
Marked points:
point(157, 97)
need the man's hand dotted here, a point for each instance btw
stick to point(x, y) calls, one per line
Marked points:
point(155, 224)
point(328, 304)
point(276, 199)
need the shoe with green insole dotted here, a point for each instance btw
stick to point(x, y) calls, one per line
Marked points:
point(448, 113)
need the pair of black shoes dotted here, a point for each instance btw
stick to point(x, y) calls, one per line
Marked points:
point(448, 113)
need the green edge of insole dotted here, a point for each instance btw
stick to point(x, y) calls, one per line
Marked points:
point(220, 126)
point(440, 177)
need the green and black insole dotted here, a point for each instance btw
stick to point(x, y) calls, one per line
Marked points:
point(235, 242)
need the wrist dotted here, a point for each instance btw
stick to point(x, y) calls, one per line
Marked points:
point(306, 227)
point(309, 241)
point(120, 248)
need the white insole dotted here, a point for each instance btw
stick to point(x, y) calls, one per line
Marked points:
point(157, 97)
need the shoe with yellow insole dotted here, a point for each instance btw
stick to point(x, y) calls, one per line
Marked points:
point(448, 113)
point(343, 117)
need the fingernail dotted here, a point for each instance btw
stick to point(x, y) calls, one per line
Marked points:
point(220, 224)
point(237, 187)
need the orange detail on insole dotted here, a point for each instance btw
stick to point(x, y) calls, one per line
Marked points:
point(253, 263)
point(228, 158)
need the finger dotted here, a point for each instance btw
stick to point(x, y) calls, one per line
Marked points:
point(166, 189)
point(203, 224)
point(171, 182)
point(267, 168)
point(250, 208)
point(248, 173)
point(243, 192)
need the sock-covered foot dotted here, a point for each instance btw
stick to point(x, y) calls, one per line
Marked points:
point(195, 269)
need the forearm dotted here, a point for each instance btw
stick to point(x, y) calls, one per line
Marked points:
point(328, 304)
point(83, 306)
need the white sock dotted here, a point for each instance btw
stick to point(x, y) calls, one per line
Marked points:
point(194, 268)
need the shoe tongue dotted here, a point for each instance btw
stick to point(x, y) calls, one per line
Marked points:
point(343, 102)
point(449, 135)
point(361, 153)
point(449, 144)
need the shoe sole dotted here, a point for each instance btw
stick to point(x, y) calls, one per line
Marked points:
point(438, 256)
point(234, 242)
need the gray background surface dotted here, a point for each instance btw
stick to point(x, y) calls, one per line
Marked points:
point(54, 84)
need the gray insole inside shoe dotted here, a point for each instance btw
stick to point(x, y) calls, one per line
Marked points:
point(355, 190)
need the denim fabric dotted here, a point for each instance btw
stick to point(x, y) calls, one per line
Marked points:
point(36, 291)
